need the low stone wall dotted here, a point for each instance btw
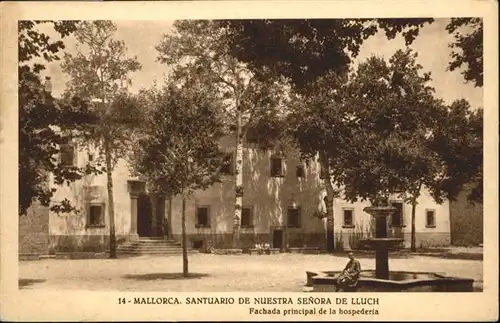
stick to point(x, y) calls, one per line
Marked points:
point(271, 251)
point(81, 255)
point(249, 240)
point(82, 243)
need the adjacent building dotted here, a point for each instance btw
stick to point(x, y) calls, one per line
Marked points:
point(466, 220)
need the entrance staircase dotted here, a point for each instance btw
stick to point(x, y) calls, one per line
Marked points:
point(151, 246)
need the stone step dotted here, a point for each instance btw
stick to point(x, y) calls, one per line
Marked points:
point(156, 245)
point(136, 252)
point(153, 244)
point(150, 249)
point(154, 241)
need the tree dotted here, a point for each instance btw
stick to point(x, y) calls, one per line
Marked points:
point(201, 47)
point(177, 150)
point(378, 133)
point(100, 72)
point(43, 121)
point(318, 127)
point(459, 142)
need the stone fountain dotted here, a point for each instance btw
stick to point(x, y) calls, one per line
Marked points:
point(381, 243)
point(383, 280)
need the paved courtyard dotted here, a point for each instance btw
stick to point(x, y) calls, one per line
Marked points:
point(214, 273)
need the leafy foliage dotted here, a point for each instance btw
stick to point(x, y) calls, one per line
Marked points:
point(178, 148)
point(202, 47)
point(44, 123)
point(33, 43)
point(467, 48)
point(459, 142)
point(99, 72)
point(306, 49)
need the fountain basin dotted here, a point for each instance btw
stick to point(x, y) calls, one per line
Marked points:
point(399, 281)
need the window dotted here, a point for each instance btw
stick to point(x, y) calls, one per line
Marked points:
point(67, 153)
point(299, 171)
point(95, 215)
point(276, 167)
point(397, 217)
point(348, 218)
point(202, 217)
point(91, 157)
point(247, 217)
point(430, 218)
point(227, 164)
point(293, 217)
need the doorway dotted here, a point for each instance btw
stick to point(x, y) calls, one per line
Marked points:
point(150, 217)
point(278, 239)
point(144, 227)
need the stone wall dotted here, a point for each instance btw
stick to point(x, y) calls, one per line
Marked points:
point(466, 222)
point(34, 230)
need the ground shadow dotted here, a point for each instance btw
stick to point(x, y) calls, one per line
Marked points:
point(24, 282)
point(165, 276)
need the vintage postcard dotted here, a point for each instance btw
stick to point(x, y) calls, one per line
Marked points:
point(249, 160)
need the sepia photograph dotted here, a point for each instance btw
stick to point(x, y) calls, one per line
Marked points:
point(297, 155)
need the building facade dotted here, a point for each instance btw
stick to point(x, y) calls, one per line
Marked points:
point(282, 199)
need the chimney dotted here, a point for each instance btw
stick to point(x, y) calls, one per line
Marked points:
point(48, 85)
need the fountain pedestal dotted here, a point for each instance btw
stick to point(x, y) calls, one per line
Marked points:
point(381, 244)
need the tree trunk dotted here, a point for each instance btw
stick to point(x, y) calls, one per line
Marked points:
point(111, 203)
point(330, 197)
point(238, 172)
point(330, 242)
point(413, 240)
point(413, 246)
point(185, 271)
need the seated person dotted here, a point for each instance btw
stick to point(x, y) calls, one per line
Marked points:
point(348, 279)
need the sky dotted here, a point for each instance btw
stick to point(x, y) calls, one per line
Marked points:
point(141, 37)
